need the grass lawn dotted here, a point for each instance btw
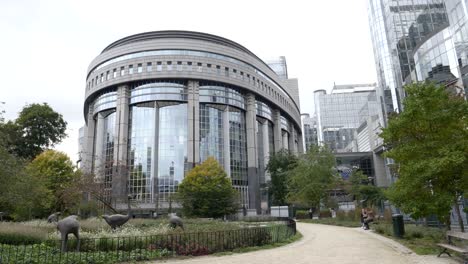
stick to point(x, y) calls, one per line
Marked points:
point(422, 240)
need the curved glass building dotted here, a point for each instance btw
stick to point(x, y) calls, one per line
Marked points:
point(158, 103)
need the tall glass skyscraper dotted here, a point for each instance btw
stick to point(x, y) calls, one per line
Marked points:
point(397, 27)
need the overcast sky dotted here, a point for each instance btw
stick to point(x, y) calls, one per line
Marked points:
point(47, 45)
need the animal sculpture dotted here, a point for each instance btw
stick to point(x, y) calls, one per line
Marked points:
point(175, 221)
point(53, 218)
point(66, 226)
point(118, 220)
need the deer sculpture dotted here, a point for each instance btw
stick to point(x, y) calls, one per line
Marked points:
point(175, 221)
point(66, 226)
point(118, 220)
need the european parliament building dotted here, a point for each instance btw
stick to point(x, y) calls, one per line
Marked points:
point(158, 103)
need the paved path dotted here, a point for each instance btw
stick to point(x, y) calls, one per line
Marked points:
point(327, 244)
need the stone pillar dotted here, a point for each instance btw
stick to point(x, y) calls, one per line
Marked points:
point(89, 141)
point(99, 154)
point(266, 142)
point(285, 140)
point(120, 173)
point(277, 136)
point(193, 135)
point(254, 185)
point(226, 147)
point(291, 139)
point(300, 140)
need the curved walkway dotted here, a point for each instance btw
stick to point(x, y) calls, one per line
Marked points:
point(327, 244)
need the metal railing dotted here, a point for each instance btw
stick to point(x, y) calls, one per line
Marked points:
point(119, 249)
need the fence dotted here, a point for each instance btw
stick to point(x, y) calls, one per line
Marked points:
point(118, 249)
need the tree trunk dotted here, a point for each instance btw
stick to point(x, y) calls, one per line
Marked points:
point(460, 219)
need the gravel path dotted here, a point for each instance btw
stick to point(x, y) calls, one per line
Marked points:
point(327, 244)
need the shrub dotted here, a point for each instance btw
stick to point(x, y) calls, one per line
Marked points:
point(325, 214)
point(302, 214)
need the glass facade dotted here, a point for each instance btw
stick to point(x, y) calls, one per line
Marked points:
point(211, 92)
point(212, 132)
point(161, 90)
point(338, 117)
point(436, 59)
point(397, 26)
point(309, 130)
point(105, 101)
point(238, 147)
point(141, 152)
point(172, 149)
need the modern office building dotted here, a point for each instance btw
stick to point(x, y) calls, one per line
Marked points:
point(158, 103)
point(348, 123)
point(340, 113)
point(397, 26)
point(309, 130)
point(443, 56)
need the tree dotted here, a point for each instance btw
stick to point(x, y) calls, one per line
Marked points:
point(278, 166)
point(60, 178)
point(363, 190)
point(429, 143)
point(37, 128)
point(312, 177)
point(206, 191)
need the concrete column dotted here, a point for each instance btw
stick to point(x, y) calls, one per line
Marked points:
point(120, 175)
point(266, 148)
point(291, 139)
point(300, 139)
point(277, 136)
point(285, 140)
point(254, 185)
point(193, 135)
point(89, 142)
point(99, 155)
point(226, 147)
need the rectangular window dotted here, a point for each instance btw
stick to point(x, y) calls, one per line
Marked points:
point(114, 73)
point(107, 75)
point(169, 65)
point(122, 71)
point(179, 66)
point(97, 79)
point(158, 66)
point(102, 77)
point(226, 71)
point(130, 69)
point(189, 63)
point(199, 67)
point(218, 69)
point(140, 68)
point(208, 65)
point(149, 66)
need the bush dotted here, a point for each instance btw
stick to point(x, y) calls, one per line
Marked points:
point(302, 214)
point(325, 214)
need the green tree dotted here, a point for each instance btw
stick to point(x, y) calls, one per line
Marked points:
point(206, 191)
point(363, 190)
point(312, 177)
point(429, 143)
point(37, 128)
point(278, 166)
point(57, 172)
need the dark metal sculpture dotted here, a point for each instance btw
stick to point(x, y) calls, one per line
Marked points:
point(175, 221)
point(118, 220)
